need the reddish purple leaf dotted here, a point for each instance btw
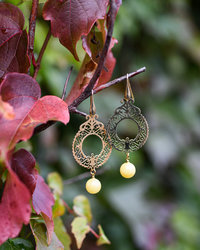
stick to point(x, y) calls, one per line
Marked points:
point(22, 92)
point(23, 164)
point(42, 198)
point(13, 55)
point(70, 19)
point(11, 21)
point(14, 207)
point(13, 41)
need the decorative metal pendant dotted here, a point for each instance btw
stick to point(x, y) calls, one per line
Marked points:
point(91, 127)
point(128, 111)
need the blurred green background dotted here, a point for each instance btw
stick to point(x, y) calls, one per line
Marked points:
point(158, 209)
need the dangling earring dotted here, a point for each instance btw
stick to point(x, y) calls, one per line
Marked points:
point(92, 162)
point(128, 111)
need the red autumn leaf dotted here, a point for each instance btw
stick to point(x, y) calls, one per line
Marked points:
point(6, 110)
point(14, 207)
point(13, 41)
point(22, 92)
point(70, 19)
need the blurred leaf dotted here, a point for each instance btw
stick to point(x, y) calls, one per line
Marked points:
point(80, 229)
point(55, 182)
point(40, 233)
point(59, 207)
point(61, 233)
point(102, 239)
point(17, 244)
point(186, 226)
point(82, 207)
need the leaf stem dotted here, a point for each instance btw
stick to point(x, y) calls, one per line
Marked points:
point(94, 233)
point(37, 67)
point(32, 23)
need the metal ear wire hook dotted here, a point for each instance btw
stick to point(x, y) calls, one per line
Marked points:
point(128, 91)
point(92, 105)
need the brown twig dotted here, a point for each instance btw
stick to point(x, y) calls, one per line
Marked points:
point(117, 80)
point(66, 82)
point(32, 22)
point(41, 53)
point(88, 89)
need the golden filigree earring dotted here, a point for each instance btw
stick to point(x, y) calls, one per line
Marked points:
point(92, 161)
point(128, 111)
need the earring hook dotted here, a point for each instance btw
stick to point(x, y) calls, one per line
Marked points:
point(92, 105)
point(128, 91)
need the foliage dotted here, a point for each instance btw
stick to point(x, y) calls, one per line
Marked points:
point(26, 198)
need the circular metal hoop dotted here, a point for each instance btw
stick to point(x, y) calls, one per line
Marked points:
point(91, 127)
point(128, 111)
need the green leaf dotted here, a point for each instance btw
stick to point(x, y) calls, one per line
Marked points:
point(80, 229)
point(40, 233)
point(58, 208)
point(82, 207)
point(102, 239)
point(61, 233)
point(17, 244)
point(55, 182)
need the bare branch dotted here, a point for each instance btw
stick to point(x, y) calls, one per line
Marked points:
point(117, 80)
point(42, 53)
point(32, 22)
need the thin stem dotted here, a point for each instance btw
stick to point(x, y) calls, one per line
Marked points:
point(76, 111)
point(32, 22)
point(88, 89)
point(82, 177)
point(42, 53)
point(66, 82)
point(71, 211)
point(94, 233)
point(117, 80)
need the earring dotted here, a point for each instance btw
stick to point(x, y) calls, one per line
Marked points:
point(92, 162)
point(128, 111)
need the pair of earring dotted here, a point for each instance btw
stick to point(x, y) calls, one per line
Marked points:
point(110, 138)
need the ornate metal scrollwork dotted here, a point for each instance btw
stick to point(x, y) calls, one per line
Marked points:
point(128, 111)
point(91, 127)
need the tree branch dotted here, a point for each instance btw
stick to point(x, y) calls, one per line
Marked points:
point(88, 89)
point(41, 53)
point(120, 79)
point(32, 22)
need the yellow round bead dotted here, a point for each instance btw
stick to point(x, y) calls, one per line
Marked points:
point(93, 186)
point(127, 170)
